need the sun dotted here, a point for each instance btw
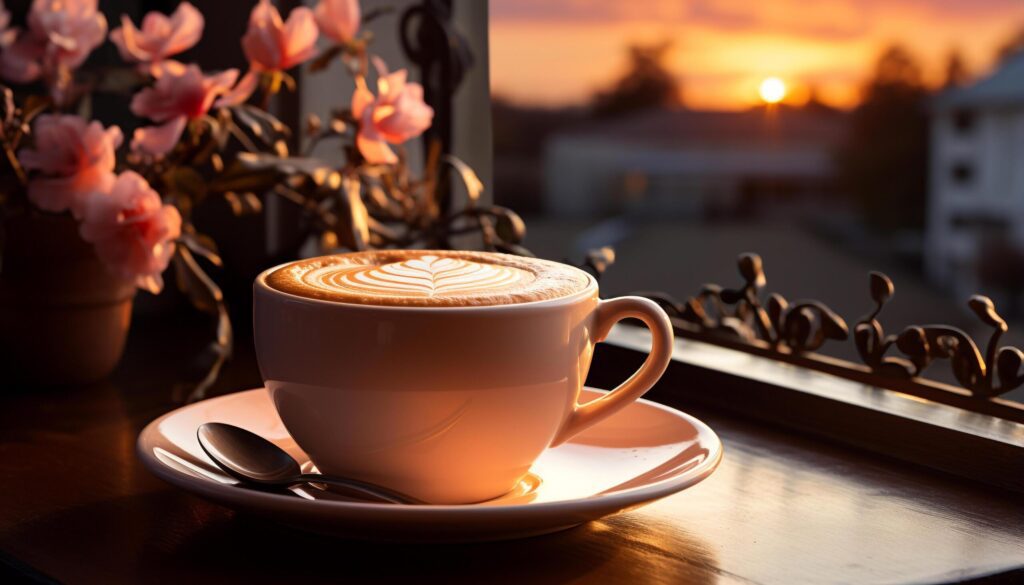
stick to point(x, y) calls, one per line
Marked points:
point(773, 90)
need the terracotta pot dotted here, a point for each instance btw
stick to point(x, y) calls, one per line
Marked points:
point(63, 316)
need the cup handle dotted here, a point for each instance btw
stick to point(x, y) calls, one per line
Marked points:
point(609, 313)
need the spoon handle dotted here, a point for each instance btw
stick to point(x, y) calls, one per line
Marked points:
point(363, 489)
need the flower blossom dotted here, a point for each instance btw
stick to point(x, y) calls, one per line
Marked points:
point(75, 160)
point(338, 19)
point(159, 38)
point(132, 230)
point(180, 95)
point(397, 114)
point(272, 44)
point(60, 35)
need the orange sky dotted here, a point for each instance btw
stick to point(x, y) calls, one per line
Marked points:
point(557, 52)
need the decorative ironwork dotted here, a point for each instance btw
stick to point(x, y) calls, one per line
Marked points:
point(995, 373)
point(798, 328)
point(738, 318)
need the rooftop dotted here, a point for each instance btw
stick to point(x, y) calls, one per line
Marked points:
point(1002, 87)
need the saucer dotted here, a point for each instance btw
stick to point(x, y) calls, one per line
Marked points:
point(644, 452)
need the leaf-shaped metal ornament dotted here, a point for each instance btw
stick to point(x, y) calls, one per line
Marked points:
point(881, 287)
point(752, 270)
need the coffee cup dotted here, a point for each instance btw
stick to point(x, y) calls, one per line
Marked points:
point(439, 374)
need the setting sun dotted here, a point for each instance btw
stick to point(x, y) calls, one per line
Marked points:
point(772, 90)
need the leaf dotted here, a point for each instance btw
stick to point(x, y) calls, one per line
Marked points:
point(600, 259)
point(882, 287)
point(202, 292)
point(474, 187)
point(510, 227)
point(238, 179)
point(751, 269)
point(357, 234)
point(777, 305)
point(252, 202)
point(185, 180)
point(832, 325)
point(1008, 362)
point(985, 309)
point(203, 245)
point(912, 342)
point(307, 166)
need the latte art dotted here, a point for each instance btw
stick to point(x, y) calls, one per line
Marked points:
point(428, 278)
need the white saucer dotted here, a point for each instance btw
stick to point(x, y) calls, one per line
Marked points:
point(645, 452)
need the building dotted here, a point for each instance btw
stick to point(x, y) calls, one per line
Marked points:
point(976, 193)
point(681, 163)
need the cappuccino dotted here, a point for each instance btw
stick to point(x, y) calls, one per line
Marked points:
point(428, 278)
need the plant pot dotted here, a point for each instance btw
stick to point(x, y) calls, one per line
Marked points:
point(63, 316)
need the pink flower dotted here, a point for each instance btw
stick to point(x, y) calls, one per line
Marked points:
point(75, 159)
point(397, 114)
point(61, 34)
point(132, 230)
point(160, 37)
point(271, 44)
point(338, 19)
point(181, 94)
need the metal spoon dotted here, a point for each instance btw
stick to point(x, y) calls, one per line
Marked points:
point(250, 458)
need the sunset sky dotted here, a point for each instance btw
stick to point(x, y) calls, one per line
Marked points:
point(557, 52)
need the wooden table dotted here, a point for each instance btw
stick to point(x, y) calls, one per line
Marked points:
point(76, 506)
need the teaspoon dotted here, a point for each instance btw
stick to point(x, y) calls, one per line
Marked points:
point(250, 458)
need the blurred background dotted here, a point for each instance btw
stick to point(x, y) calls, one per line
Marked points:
point(831, 137)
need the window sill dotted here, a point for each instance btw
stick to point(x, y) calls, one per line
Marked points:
point(976, 446)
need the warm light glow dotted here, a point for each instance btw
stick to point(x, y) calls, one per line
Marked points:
point(557, 53)
point(772, 90)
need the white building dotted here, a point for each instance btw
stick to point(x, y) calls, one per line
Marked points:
point(690, 163)
point(976, 174)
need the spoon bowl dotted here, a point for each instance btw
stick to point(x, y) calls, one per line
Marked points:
point(251, 459)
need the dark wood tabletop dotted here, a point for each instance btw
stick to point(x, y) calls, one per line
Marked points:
point(76, 506)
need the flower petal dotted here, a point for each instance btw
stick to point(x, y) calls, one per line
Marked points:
point(159, 140)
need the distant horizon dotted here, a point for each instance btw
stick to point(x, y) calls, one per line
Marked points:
point(724, 48)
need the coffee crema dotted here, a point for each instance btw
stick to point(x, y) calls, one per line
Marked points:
point(428, 278)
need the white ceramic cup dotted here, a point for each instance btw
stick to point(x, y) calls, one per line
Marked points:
point(447, 404)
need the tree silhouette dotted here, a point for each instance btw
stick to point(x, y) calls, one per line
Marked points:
point(956, 70)
point(883, 164)
point(647, 83)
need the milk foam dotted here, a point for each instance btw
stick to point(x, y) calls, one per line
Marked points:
point(428, 278)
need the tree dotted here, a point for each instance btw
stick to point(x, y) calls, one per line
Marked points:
point(884, 163)
point(956, 70)
point(647, 83)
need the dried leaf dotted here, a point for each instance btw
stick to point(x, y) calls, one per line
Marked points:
point(185, 180)
point(252, 202)
point(203, 245)
point(474, 187)
point(235, 202)
point(202, 292)
point(358, 217)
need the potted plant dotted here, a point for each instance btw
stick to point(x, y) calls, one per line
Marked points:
point(88, 217)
